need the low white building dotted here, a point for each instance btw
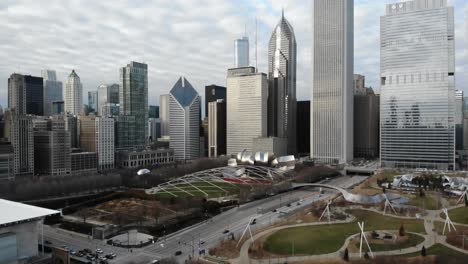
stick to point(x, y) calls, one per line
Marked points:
point(20, 231)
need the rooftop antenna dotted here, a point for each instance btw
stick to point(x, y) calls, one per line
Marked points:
point(256, 45)
point(282, 12)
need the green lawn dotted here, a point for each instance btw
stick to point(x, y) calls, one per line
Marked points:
point(428, 202)
point(445, 254)
point(314, 240)
point(412, 241)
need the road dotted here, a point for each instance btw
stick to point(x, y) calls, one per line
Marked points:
point(209, 233)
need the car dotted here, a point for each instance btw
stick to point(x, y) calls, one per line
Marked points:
point(178, 253)
point(274, 211)
point(47, 242)
point(154, 261)
point(109, 256)
point(253, 222)
point(288, 205)
point(99, 251)
point(103, 262)
point(225, 231)
point(113, 255)
point(72, 252)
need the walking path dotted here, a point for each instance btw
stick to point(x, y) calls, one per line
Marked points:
point(430, 238)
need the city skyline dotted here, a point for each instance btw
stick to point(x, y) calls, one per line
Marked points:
point(221, 22)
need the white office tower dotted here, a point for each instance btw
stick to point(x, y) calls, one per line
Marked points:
point(247, 93)
point(105, 142)
point(108, 99)
point(282, 103)
point(184, 120)
point(417, 85)
point(73, 94)
point(52, 90)
point(164, 114)
point(241, 52)
point(332, 81)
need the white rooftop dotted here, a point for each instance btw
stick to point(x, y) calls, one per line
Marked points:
point(13, 212)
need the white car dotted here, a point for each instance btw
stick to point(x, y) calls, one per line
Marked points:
point(99, 251)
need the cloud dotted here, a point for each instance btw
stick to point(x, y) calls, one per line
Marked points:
point(193, 38)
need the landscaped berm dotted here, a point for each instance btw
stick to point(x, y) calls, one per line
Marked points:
point(324, 239)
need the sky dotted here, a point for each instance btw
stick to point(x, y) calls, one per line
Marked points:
point(191, 38)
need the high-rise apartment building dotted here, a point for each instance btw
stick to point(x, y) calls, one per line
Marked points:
point(212, 94)
point(93, 105)
point(282, 103)
point(241, 52)
point(133, 99)
point(73, 94)
point(418, 85)
point(52, 91)
point(332, 81)
point(246, 107)
point(52, 148)
point(97, 135)
point(19, 131)
point(108, 99)
point(164, 114)
point(216, 128)
point(26, 94)
point(184, 120)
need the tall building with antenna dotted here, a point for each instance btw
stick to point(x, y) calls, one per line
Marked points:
point(282, 57)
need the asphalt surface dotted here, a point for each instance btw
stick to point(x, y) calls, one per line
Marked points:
point(202, 236)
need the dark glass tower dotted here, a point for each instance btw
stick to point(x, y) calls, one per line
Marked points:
point(213, 93)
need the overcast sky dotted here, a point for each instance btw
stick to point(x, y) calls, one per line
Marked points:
point(191, 38)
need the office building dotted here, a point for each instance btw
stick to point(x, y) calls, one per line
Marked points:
point(154, 129)
point(108, 99)
point(93, 105)
point(52, 91)
point(83, 163)
point(164, 114)
point(125, 132)
point(73, 94)
point(332, 81)
point(459, 120)
point(246, 107)
point(366, 124)
point(71, 125)
point(26, 94)
point(216, 128)
point(97, 135)
point(212, 94)
point(184, 120)
point(282, 103)
point(133, 99)
point(57, 108)
point(241, 52)
point(303, 128)
point(7, 161)
point(144, 158)
point(51, 147)
point(19, 131)
point(153, 111)
point(418, 85)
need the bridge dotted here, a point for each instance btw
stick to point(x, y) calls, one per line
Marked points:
point(348, 196)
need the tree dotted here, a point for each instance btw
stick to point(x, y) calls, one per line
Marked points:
point(346, 255)
point(402, 231)
point(423, 251)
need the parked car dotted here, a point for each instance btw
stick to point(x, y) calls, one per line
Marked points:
point(99, 251)
point(178, 253)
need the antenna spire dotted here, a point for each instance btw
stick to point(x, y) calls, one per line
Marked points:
point(256, 45)
point(282, 12)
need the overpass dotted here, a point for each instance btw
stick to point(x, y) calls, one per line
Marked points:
point(350, 197)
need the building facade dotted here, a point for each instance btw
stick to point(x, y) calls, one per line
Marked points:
point(26, 94)
point(246, 107)
point(154, 129)
point(164, 114)
point(93, 105)
point(332, 81)
point(73, 94)
point(418, 85)
point(108, 99)
point(153, 111)
point(144, 158)
point(133, 99)
point(212, 94)
point(366, 126)
point(216, 128)
point(241, 52)
point(184, 120)
point(52, 91)
point(7, 161)
point(303, 128)
point(17, 94)
point(83, 163)
point(282, 103)
point(97, 135)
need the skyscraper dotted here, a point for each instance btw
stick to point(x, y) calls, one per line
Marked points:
point(93, 105)
point(52, 90)
point(303, 127)
point(73, 94)
point(164, 114)
point(212, 94)
point(153, 111)
point(184, 120)
point(108, 99)
point(332, 81)
point(282, 103)
point(133, 98)
point(216, 128)
point(246, 107)
point(97, 135)
point(26, 94)
point(417, 85)
point(241, 52)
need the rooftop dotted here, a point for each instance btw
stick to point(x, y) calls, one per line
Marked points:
point(15, 212)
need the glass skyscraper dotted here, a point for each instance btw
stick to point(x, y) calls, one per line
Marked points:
point(93, 102)
point(52, 91)
point(241, 52)
point(418, 85)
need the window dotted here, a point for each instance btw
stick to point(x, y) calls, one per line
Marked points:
point(382, 80)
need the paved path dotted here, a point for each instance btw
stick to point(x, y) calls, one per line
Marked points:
point(430, 238)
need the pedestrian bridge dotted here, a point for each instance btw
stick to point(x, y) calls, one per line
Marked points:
point(351, 197)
